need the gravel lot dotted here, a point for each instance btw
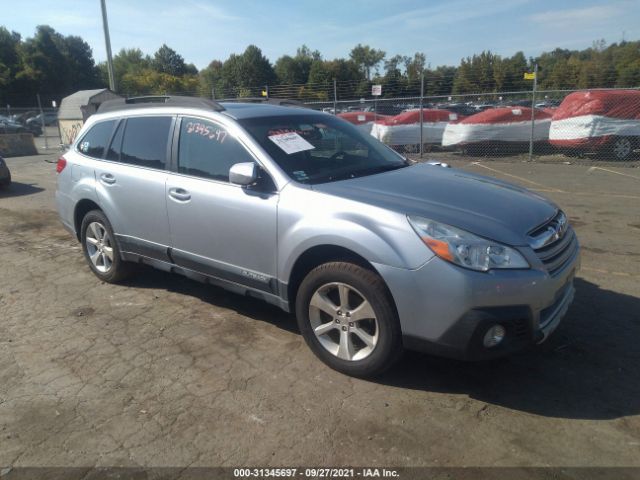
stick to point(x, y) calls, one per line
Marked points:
point(163, 371)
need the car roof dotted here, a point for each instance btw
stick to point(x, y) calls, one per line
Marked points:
point(240, 110)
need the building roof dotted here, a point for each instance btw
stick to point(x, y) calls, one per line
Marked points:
point(70, 106)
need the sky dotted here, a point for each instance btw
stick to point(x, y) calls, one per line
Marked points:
point(444, 30)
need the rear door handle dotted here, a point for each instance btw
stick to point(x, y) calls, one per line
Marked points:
point(179, 194)
point(108, 178)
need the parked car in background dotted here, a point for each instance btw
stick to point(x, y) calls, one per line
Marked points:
point(404, 129)
point(5, 174)
point(9, 126)
point(461, 109)
point(50, 119)
point(497, 130)
point(606, 122)
point(23, 116)
point(363, 120)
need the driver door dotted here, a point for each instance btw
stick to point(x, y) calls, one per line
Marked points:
point(218, 228)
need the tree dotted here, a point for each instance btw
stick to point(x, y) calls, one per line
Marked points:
point(320, 73)
point(249, 70)
point(167, 60)
point(50, 62)
point(295, 70)
point(415, 66)
point(210, 77)
point(366, 58)
point(288, 71)
point(9, 59)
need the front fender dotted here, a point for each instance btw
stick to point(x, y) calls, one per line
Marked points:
point(308, 219)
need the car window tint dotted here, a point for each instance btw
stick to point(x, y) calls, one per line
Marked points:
point(207, 150)
point(95, 140)
point(145, 141)
point(113, 152)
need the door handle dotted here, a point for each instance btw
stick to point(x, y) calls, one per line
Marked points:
point(108, 178)
point(179, 194)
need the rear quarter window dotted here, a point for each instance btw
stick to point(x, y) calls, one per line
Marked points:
point(96, 139)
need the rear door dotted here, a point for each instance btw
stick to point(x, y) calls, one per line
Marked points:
point(131, 184)
point(217, 228)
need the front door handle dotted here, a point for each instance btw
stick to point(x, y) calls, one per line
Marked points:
point(179, 194)
point(108, 178)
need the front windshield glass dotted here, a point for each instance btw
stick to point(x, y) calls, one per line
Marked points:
point(321, 148)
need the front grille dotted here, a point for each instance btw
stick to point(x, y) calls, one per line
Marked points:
point(560, 245)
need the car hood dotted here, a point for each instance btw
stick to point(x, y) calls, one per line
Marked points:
point(482, 205)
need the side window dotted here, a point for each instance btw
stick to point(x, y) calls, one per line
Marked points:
point(95, 140)
point(145, 141)
point(113, 152)
point(207, 150)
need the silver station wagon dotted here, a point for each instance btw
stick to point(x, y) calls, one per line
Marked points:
point(374, 254)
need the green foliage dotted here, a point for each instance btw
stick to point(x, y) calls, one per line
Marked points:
point(167, 60)
point(49, 62)
point(366, 58)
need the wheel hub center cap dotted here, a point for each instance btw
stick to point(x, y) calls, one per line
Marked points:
point(343, 319)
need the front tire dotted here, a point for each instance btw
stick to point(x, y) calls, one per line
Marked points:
point(101, 249)
point(347, 318)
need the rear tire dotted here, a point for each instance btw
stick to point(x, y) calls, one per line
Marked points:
point(101, 249)
point(622, 148)
point(346, 316)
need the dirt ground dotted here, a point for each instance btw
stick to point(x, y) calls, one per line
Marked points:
point(163, 371)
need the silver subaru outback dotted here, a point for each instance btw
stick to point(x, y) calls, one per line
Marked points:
point(374, 254)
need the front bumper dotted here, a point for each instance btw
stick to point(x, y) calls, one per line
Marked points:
point(446, 310)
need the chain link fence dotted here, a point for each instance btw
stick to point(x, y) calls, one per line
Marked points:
point(543, 125)
point(598, 124)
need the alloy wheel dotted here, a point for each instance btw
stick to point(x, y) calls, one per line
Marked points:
point(343, 321)
point(99, 247)
point(622, 148)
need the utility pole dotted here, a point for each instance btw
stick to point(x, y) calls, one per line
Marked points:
point(107, 41)
point(421, 112)
point(335, 97)
point(533, 109)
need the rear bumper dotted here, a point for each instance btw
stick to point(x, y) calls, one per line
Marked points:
point(446, 310)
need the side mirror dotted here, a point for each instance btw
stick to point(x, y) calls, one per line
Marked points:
point(243, 173)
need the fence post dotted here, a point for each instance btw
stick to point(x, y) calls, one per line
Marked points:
point(266, 90)
point(533, 109)
point(421, 113)
point(44, 128)
point(335, 97)
point(213, 93)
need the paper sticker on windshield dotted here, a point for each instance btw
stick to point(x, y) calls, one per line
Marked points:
point(362, 118)
point(291, 142)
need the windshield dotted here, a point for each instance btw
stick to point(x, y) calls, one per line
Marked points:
point(321, 148)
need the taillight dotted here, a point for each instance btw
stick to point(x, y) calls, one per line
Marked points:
point(62, 162)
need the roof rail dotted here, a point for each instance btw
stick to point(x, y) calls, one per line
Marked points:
point(158, 101)
point(284, 102)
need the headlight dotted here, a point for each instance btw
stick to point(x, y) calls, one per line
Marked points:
point(464, 248)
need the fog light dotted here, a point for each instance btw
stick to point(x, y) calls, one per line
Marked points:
point(494, 336)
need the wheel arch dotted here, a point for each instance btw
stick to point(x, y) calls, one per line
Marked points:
point(318, 255)
point(83, 207)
